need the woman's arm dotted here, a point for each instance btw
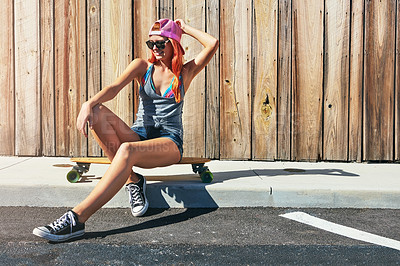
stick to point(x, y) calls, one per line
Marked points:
point(108, 93)
point(193, 67)
point(133, 71)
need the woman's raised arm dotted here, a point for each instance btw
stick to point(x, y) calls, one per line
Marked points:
point(193, 67)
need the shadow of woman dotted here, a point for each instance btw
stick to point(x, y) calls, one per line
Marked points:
point(175, 189)
point(159, 222)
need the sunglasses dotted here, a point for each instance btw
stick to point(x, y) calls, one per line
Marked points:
point(159, 44)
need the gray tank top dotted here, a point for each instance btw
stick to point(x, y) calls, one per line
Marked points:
point(156, 110)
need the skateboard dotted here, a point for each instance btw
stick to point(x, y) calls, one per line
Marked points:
point(83, 165)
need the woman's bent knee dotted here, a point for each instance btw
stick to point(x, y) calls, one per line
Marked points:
point(126, 150)
point(99, 113)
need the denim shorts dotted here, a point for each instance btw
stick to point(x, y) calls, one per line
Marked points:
point(146, 133)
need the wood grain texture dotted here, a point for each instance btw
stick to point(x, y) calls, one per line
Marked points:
point(27, 78)
point(397, 89)
point(47, 77)
point(70, 75)
point(7, 124)
point(235, 142)
point(44, 78)
point(212, 83)
point(145, 13)
point(284, 98)
point(193, 13)
point(379, 79)
point(356, 81)
point(308, 21)
point(336, 79)
point(93, 62)
point(165, 9)
point(116, 53)
point(264, 79)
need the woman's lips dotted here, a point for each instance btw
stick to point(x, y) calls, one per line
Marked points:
point(160, 53)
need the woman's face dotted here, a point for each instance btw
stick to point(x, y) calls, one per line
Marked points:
point(160, 52)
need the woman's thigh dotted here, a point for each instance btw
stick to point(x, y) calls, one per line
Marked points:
point(108, 125)
point(152, 153)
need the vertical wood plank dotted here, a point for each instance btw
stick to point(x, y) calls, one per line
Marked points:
point(27, 78)
point(166, 9)
point(336, 79)
point(356, 81)
point(7, 124)
point(144, 17)
point(116, 52)
point(93, 62)
point(212, 84)
point(47, 76)
point(379, 79)
point(235, 45)
point(145, 13)
point(284, 80)
point(308, 21)
point(70, 75)
point(193, 13)
point(264, 79)
point(397, 104)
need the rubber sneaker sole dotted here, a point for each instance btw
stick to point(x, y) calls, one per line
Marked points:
point(56, 238)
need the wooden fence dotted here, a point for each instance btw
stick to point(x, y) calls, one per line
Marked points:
point(300, 80)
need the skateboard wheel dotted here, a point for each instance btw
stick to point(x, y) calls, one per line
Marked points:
point(73, 176)
point(206, 177)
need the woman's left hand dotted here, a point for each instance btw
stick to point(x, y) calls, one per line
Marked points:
point(181, 24)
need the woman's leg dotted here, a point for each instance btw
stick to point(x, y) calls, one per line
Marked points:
point(110, 132)
point(113, 135)
point(145, 154)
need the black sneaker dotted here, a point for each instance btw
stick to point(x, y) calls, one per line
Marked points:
point(137, 196)
point(62, 229)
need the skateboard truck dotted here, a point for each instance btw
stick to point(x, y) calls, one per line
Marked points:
point(205, 174)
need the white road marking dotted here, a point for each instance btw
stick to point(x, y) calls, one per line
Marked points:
point(342, 230)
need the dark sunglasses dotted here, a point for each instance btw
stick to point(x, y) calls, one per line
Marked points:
point(159, 44)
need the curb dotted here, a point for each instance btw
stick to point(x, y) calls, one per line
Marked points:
point(36, 182)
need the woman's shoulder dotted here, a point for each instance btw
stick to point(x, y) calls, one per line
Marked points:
point(141, 65)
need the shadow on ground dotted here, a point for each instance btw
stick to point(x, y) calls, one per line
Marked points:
point(158, 222)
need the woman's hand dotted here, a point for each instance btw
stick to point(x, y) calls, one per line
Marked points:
point(181, 24)
point(85, 116)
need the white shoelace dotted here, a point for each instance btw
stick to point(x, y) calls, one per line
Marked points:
point(65, 220)
point(135, 198)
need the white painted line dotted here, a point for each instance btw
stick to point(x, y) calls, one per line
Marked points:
point(342, 230)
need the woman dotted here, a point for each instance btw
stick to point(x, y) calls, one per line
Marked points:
point(155, 139)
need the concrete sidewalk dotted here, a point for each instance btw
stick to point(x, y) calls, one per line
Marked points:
point(41, 182)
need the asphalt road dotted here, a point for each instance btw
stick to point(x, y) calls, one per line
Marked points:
point(235, 236)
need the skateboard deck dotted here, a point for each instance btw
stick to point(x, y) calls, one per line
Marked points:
point(83, 165)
